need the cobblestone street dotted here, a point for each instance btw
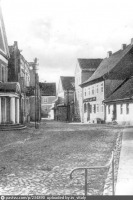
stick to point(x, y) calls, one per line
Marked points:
point(39, 162)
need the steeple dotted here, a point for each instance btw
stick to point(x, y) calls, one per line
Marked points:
point(3, 38)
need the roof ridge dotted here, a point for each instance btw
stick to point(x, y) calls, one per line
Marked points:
point(125, 51)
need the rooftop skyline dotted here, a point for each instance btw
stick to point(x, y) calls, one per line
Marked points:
point(58, 32)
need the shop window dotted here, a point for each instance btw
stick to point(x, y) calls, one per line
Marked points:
point(121, 109)
point(127, 108)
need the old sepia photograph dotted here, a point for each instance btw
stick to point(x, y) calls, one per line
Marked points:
point(66, 99)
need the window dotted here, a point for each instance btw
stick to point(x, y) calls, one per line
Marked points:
point(102, 87)
point(94, 108)
point(93, 90)
point(127, 108)
point(3, 74)
point(85, 92)
point(108, 109)
point(88, 91)
point(85, 107)
point(121, 108)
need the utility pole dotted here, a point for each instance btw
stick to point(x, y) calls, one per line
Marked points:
point(36, 94)
point(67, 105)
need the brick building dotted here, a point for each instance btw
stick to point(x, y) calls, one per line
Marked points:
point(19, 71)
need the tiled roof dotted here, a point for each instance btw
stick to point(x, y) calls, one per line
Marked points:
point(10, 87)
point(48, 89)
point(67, 82)
point(86, 64)
point(125, 91)
point(111, 65)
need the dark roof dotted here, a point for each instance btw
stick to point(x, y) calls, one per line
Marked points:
point(125, 91)
point(48, 89)
point(68, 82)
point(108, 64)
point(10, 87)
point(86, 64)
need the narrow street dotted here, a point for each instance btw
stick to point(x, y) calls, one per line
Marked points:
point(39, 161)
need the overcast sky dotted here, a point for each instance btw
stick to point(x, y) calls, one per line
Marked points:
point(58, 32)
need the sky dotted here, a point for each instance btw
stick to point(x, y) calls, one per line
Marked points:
point(58, 32)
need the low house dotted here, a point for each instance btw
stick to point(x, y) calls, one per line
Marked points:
point(119, 105)
point(48, 95)
point(84, 70)
point(110, 74)
point(64, 104)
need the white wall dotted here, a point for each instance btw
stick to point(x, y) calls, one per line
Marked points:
point(87, 93)
point(109, 115)
point(124, 118)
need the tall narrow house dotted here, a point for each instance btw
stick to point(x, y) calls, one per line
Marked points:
point(9, 92)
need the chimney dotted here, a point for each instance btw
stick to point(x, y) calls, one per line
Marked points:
point(109, 53)
point(131, 41)
point(123, 46)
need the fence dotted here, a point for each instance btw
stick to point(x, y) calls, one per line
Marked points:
point(111, 162)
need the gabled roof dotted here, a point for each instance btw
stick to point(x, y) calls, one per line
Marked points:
point(48, 89)
point(125, 91)
point(108, 64)
point(86, 64)
point(67, 82)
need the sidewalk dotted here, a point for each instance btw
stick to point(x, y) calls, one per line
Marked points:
point(124, 184)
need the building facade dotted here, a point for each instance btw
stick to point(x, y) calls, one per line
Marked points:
point(84, 69)
point(119, 105)
point(64, 104)
point(9, 92)
point(48, 95)
point(111, 73)
point(19, 71)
